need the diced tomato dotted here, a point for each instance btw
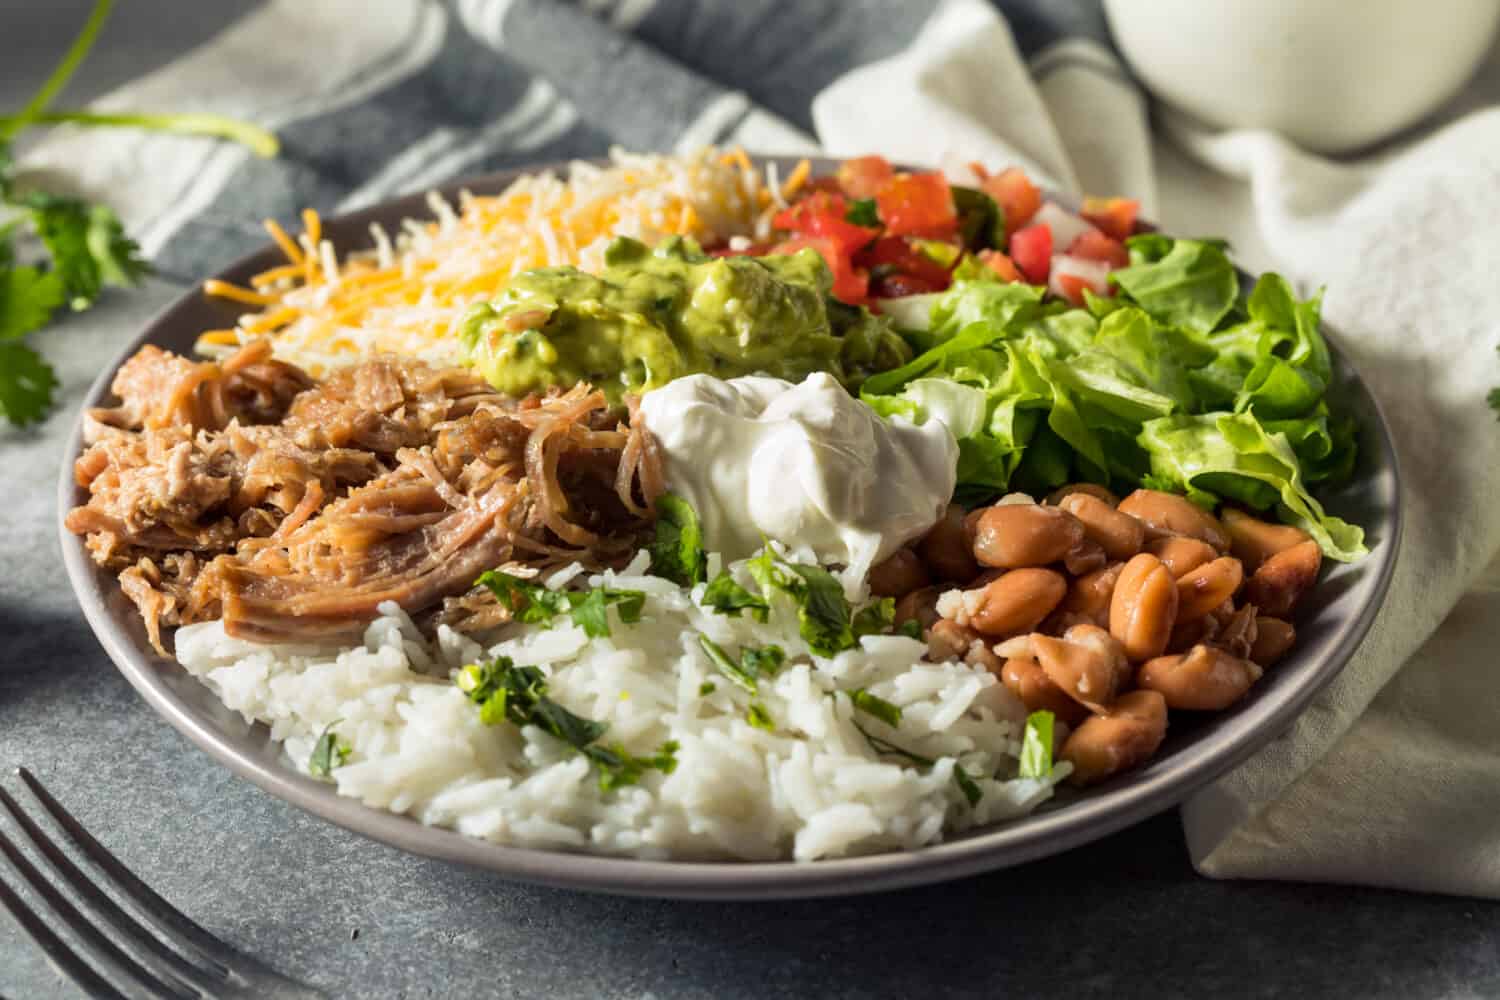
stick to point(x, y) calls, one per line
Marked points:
point(823, 214)
point(1031, 249)
point(917, 205)
point(1017, 196)
point(1116, 216)
point(1071, 286)
point(1000, 264)
point(1094, 245)
point(1071, 275)
point(850, 284)
point(893, 255)
point(895, 286)
point(862, 176)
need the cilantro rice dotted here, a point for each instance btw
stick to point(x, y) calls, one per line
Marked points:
point(810, 786)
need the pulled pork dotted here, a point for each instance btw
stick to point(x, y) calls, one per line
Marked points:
point(293, 509)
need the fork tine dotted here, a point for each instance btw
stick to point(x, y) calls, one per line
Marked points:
point(59, 955)
point(187, 933)
point(146, 971)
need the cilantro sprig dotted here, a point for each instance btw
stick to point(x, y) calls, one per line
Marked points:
point(328, 752)
point(505, 692)
point(84, 244)
point(532, 603)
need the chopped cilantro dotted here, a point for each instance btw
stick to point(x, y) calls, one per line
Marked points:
point(822, 610)
point(967, 785)
point(872, 705)
point(328, 753)
point(862, 212)
point(875, 618)
point(755, 662)
point(1494, 400)
point(677, 553)
point(707, 688)
point(1036, 746)
point(505, 692)
point(911, 628)
point(758, 717)
point(965, 781)
point(532, 603)
point(728, 598)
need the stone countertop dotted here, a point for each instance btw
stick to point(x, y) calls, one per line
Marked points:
point(1123, 917)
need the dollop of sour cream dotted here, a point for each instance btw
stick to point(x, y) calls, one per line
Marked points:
point(807, 465)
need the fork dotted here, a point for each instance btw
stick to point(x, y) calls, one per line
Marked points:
point(168, 955)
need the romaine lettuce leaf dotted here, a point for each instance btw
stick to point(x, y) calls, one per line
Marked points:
point(1192, 285)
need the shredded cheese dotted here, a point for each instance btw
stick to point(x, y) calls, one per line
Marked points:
point(408, 293)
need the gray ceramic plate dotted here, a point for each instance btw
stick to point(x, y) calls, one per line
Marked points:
point(1342, 608)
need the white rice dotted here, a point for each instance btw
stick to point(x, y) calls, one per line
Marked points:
point(813, 788)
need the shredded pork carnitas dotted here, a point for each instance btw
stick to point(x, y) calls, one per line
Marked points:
point(292, 509)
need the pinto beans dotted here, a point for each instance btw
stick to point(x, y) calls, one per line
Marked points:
point(1170, 514)
point(1017, 602)
point(1057, 496)
point(1118, 739)
point(1087, 663)
point(1181, 554)
point(1201, 590)
point(898, 575)
point(919, 606)
point(948, 640)
point(1013, 536)
point(1143, 607)
point(1273, 637)
point(1089, 595)
point(1253, 541)
point(946, 548)
point(1205, 679)
point(1119, 535)
point(1029, 682)
point(1236, 634)
point(1279, 583)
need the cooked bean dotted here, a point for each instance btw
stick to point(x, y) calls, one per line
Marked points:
point(1087, 663)
point(1090, 594)
point(919, 606)
point(1186, 635)
point(1057, 496)
point(1085, 557)
point(1279, 583)
point(1118, 739)
point(1170, 514)
point(948, 640)
point(1205, 588)
point(1181, 554)
point(1029, 682)
point(1143, 607)
point(1012, 536)
point(898, 575)
point(1273, 638)
point(1253, 541)
point(1017, 602)
point(1205, 679)
point(1119, 535)
point(1236, 635)
point(946, 549)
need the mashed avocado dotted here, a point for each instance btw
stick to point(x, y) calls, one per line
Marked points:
point(655, 315)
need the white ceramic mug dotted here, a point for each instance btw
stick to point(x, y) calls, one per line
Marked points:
point(1332, 75)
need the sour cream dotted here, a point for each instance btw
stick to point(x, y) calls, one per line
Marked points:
point(807, 465)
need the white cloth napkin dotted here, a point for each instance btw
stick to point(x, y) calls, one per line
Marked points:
point(1392, 777)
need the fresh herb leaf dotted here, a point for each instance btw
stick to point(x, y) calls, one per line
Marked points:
point(528, 602)
point(911, 628)
point(965, 781)
point(535, 604)
point(875, 618)
point(28, 298)
point(862, 212)
point(873, 705)
point(88, 245)
point(328, 753)
point(1036, 746)
point(707, 688)
point(981, 219)
point(755, 662)
point(1494, 400)
point(823, 611)
point(727, 597)
point(26, 383)
point(967, 785)
point(677, 553)
point(758, 717)
point(505, 692)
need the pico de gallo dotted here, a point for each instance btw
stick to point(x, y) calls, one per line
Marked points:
point(888, 233)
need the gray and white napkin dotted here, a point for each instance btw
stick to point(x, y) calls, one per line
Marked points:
point(1392, 777)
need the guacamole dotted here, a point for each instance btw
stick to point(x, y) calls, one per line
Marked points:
point(655, 315)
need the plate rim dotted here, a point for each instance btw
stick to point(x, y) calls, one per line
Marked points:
point(1004, 844)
